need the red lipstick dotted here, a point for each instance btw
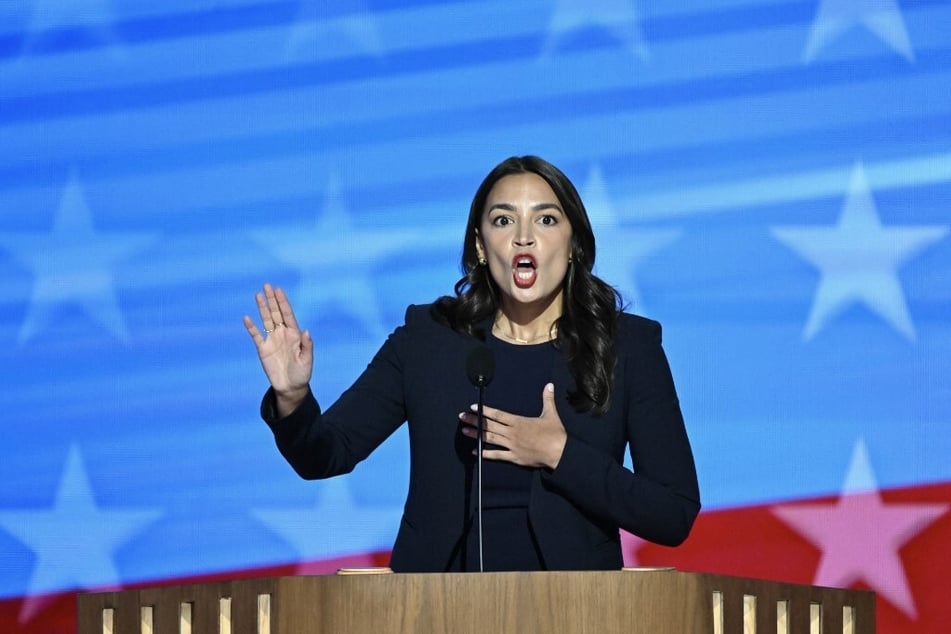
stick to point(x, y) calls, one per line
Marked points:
point(524, 271)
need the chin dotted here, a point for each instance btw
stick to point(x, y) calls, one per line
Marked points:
point(532, 295)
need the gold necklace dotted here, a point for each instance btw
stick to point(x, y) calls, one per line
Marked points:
point(549, 335)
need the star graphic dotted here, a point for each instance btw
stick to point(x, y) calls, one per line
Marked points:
point(630, 545)
point(354, 30)
point(336, 261)
point(335, 526)
point(73, 265)
point(835, 17)
point(860, 535)
point(618, 17)
point(74, 541)
point(620, 249)
point(94, 17)
point(859, 259)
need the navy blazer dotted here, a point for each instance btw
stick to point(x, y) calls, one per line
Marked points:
point(575, 510)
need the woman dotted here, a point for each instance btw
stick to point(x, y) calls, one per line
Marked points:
point(555, 491)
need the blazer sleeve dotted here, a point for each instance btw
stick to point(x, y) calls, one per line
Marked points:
point(660, 499)
point(321, 444)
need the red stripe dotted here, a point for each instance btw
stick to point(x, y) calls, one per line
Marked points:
point(753, 542)
point(748, 542)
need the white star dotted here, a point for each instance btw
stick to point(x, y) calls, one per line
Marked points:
point(314, 35)
point(92, 16)
point(618, 17)
point(859, 260)
point(335, 526)
point(72, 265)
point(336, 261)
point(835, 17)
point(74, 541)
point(620, 249)
point(860, 536)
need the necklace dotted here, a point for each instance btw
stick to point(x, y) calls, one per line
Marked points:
point(545, 336)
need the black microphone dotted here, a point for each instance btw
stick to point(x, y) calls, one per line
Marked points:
point(480, 366)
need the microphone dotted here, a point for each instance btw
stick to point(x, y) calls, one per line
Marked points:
point(480, 366)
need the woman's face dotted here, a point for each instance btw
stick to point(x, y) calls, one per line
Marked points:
point(525, 236)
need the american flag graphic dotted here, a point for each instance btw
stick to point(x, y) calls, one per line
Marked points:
point(771, 179)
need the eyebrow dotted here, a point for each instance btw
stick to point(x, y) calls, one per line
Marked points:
point(538, 207)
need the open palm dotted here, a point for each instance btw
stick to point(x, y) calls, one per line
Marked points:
point(286, 352)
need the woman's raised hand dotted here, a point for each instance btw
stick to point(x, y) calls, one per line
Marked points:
point(286, 352)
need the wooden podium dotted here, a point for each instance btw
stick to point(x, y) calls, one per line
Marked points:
point(650, 601)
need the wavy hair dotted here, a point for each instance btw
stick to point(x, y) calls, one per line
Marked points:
point(590, 307)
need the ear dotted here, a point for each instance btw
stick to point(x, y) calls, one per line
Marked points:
point(480, 248)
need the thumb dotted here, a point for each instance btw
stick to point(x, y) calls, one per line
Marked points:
point(306, 346)
point(548, 399)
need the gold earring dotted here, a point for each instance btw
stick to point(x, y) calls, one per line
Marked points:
point(482, 261)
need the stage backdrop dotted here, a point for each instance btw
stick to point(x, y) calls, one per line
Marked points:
point(771, 179)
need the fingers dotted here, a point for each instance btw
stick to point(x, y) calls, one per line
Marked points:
point(275, 309)
point(505, 418)
point(490, 413)
point(470, 421)
point(253, 330)
point(263, 310)
point(284, 309)
point(273, 319)
point(307, 347)
point(489, 437)
point(498, 454)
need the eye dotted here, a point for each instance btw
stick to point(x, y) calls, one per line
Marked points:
point(502, 221)
point(548, 220)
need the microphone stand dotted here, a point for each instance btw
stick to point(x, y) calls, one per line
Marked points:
point(481, 431)
point(480, 366)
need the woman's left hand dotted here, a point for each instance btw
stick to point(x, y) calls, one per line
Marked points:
point(531, 442)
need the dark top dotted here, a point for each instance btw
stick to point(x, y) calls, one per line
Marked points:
point(574, 511)
point(507, 541)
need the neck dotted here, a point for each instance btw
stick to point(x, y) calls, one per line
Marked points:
point(526, 327)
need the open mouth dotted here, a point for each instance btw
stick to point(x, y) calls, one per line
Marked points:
point(524, 270)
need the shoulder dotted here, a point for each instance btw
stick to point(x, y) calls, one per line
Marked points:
point(420, 336)
point(640, 352)
point(420, 315)
point(636, 330)
point(421, 320)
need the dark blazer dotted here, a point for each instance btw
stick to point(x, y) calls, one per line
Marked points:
point(575, 510)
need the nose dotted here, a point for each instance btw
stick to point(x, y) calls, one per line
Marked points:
point(524, 236)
